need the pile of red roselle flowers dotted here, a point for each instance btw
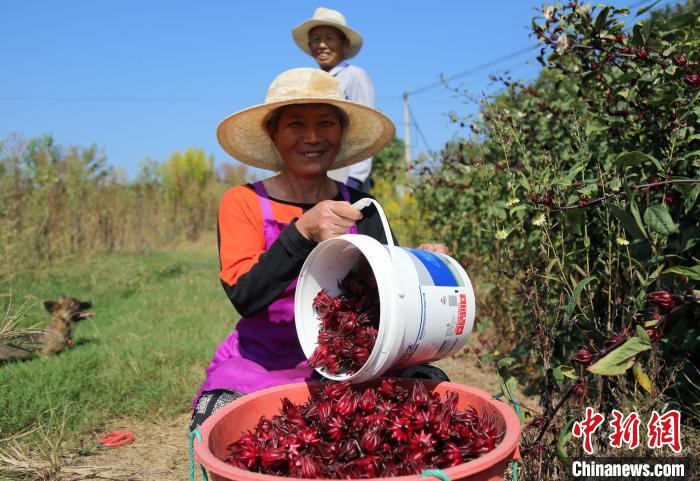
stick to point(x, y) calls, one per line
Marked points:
point(349, 323)
point(350, 432)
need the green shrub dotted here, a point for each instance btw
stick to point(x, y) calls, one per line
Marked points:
point(576, 196)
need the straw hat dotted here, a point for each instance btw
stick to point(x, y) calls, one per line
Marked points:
point(330, 18)
point(244, 136)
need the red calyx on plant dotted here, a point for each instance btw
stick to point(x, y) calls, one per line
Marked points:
point(671, 198)
point(654, 333)
point(663, 299)
point(616, 338)
point(679, 60)
point(583, 356)
point(692, 78)
point(642, 53)
point(580, 390)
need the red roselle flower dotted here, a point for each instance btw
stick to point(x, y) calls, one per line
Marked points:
point(273, 457)
point(426, 432)
point(584, 356)
point(616, 338)
point(642, 53)
point(349, 323)
point(663, 299)
point(679, 60)
point(654, 333)
point(537, 422)
point(692, 78)
point(583, 201)
point(621, 37)
point(671, 198)
point(580, 390)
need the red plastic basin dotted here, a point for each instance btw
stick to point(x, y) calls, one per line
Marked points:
point(227, 424)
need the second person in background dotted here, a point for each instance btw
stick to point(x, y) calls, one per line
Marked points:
point(328, 39)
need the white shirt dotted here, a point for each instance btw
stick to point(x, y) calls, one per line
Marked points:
point(357, 87)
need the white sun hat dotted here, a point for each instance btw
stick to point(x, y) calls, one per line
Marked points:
point(331, 18)
point(245, 137)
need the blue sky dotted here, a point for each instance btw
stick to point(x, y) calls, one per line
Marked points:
point(146, 78)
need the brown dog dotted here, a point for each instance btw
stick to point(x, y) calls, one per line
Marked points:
point(58, 335)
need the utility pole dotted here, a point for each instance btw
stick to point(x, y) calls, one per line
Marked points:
point(407, 131)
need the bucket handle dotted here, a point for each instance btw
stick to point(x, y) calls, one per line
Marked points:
point(366, 202)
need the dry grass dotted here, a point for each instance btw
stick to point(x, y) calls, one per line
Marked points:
point(11, 329)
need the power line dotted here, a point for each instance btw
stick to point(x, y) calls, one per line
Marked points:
point(501, 59)
point(473, 70)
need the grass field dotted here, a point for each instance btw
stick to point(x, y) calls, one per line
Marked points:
point(158, 319)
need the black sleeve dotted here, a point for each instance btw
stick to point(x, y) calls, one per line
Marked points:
point(280, 265)
point(269, 277)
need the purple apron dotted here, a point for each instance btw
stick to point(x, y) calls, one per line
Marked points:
point(263, 350)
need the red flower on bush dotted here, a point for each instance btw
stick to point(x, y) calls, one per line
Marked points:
point(654, 333)
point(692, 78)
point(663, 299)
point(580, 390)
point(679, 60)
point(584, 356)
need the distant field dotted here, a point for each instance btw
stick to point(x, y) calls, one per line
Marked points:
point(158, 319)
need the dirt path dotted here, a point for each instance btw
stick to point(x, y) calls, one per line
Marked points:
point(160, 449)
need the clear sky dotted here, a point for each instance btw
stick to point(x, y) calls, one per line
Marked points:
point(146, 78)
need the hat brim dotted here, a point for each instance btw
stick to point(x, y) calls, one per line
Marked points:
point(300, 35)
point(244, 136)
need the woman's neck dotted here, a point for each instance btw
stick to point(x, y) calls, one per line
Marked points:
point(302, 190)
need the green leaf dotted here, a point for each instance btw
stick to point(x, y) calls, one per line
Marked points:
point(517, 208)
point(644, 10)
point(558, 377)
point(568, 371)
point(620, 359)
point(636, 158)
point(641, 377)
point(637, 216)
point(601, 18)
point(506, 361)
point(564, 438)
point(642, 333)
point(577, 293)
point(692, 273)
point(635, 230)
point(659, 220)
point(507, 383)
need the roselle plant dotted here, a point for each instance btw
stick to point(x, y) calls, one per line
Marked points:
point(574, 200)
point(347, 431)
point(349, 322)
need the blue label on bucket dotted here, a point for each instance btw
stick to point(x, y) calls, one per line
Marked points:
point(438, 270)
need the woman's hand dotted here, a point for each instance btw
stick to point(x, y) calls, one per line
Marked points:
point(439, 248)
point(327, 219)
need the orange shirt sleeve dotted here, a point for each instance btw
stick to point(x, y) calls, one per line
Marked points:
point(241, 233)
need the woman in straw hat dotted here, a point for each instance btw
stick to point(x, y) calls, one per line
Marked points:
point(331, 42)
point(267, 229)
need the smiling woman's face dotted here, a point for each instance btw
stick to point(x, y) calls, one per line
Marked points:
point(308, 138)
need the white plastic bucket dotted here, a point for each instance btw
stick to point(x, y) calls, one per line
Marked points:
point(426, 300)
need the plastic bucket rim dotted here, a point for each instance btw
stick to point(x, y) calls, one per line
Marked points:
point(501, 453)
point(382, 266)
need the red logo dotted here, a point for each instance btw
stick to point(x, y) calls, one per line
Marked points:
point(461, 314)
